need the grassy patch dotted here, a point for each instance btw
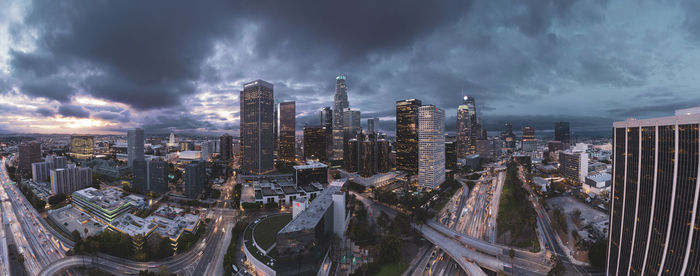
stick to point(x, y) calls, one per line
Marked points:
point(448, 189)
point(266, 230)
point(394, 269)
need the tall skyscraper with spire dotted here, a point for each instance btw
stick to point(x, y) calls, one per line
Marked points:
point(468, 129)
point(340, 103)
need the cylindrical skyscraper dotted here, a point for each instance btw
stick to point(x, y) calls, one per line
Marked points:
point(340, 102)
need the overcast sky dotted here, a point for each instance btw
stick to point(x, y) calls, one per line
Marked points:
point(106, 66)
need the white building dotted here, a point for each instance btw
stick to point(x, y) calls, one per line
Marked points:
point(41, 170)
point(597, 183)
point(573, 165)
point(190, 155)
point(70, 179)
point(208, 148)
point(431, 146)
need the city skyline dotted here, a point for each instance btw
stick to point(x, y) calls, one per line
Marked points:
point(87, 87)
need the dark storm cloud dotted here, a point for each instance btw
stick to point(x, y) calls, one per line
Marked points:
point(68, 110)
point(154, 56)
point(353, 29)
point(46, 112)
point(122, 117)
point(164, 124)
point(146, 56)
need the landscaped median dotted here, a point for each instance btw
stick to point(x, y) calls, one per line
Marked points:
point(517, 220)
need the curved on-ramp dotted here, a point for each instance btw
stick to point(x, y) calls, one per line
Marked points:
point(85, 261)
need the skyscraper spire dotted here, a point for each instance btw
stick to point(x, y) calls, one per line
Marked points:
point(340, 102)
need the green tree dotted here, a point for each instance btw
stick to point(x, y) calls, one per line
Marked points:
point(20, 258)
point(75, 235)
point(558, 269)
point(390, 249)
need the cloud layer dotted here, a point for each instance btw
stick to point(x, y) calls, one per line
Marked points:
point(99, 66)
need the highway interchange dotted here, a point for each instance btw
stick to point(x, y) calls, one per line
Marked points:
point(477, 248)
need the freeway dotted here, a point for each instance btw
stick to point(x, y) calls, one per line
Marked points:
point(485, 254)
point(34, 242)
point(4, 259)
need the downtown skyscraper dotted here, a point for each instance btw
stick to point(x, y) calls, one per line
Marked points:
point(257, 140)
point(407, 135)
point(562, 133)
point(431, 146)
point(135, 146)
point(468, 130)
point(654, 218)
point(340, 103)
point(286, 124)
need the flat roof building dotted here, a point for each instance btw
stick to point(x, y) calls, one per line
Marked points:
point(105, 205)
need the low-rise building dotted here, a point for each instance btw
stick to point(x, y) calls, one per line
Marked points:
point(597, 183)
point(278, 189)
point(105, 205)
point(304, 241)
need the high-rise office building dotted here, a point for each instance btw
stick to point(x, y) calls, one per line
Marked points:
point(562, 133)
point(286, 124)
point(208, 148)
point(195, 177)
point(529, 141)
point(508, 137)
point(468, 127)
point(70, 179)
point(226, 146)
point(140, 169)
point(373, 125)
point(316, 140)
point(257, 140)
point(450, 155)
point(367, 156)
point(384, 163)
point(29, 153)
point(158, 176)
point(654, 218)
point(407, 135)
point(41, 171)
point(351, 123)
point(82, 147)
point(351, 155)
point(340, 103)
point(135, 145)
point(327, 117)
point(431, 146)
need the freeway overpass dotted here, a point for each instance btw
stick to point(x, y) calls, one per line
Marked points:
point(459, 246)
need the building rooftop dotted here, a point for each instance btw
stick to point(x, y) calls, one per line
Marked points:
point(107, 198)
point(600, 177)
point(310, 217)
point(311, 165)
point(133, 225)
